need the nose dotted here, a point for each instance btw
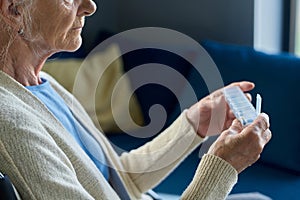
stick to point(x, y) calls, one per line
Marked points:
point(86, 8)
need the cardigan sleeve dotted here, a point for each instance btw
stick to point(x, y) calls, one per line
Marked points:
point(151, 163)
point(213, 180)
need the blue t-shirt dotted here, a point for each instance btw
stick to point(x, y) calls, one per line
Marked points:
point(61, 111)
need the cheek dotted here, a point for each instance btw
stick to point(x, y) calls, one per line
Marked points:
point(64, 23)
point(59, 32)
point(52, 29)
point(68, 39)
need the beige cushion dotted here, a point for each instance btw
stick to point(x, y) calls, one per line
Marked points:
point(94, 85)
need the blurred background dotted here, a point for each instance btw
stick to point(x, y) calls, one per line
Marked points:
point(266, 24)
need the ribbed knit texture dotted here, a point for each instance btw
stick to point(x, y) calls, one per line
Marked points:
point(213, 180)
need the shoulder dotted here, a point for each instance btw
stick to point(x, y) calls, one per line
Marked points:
point(20, 113)
point(15, 117)
point(10, 106)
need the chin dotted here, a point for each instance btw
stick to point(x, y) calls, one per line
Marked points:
point(73, 45)
point(76, 48)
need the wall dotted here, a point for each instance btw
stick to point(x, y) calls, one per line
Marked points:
point(105, 18)
point(227, 21)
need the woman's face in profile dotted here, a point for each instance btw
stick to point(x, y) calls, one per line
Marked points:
point(57, 24)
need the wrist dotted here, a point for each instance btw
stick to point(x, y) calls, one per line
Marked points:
point(193, 119)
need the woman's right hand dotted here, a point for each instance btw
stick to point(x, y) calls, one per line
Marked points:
point(241, 147)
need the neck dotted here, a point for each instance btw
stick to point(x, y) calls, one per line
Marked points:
point(23, 64)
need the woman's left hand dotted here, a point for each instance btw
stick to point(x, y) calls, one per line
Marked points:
point(211, 115)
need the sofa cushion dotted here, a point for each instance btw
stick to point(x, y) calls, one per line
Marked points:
point(87, 72)
point(277, 79)
point(265, 179)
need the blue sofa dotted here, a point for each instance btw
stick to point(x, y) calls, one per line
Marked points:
point(277, 78)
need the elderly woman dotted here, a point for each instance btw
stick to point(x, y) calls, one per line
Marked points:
point(50, 147)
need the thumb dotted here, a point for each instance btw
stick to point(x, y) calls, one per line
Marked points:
point(236, 126)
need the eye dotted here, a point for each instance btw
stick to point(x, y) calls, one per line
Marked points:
point(69, 1)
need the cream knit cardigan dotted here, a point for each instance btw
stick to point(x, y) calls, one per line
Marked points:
point(45, 162)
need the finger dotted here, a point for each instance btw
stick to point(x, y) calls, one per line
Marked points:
point(236, 126)
point(267, 135)
point(244, 85)
point(262, 121)
point(249, 96)
point(230, 114)
point(230, 118)
point(259, 127)
point(217, 93)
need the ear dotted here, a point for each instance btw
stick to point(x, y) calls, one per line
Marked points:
point(10, 12)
